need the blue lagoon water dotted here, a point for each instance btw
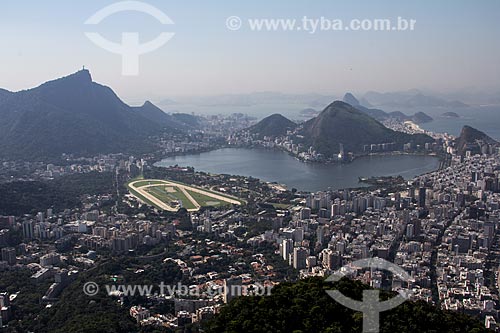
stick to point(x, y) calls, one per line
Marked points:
point(276, 166)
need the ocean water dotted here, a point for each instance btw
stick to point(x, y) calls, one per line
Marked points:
point(483, 118)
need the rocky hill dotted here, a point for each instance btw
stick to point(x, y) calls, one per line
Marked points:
point(274, 125)
point(341, 123)
point(75, 115)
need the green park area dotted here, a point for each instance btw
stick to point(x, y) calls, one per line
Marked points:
point(170, 195)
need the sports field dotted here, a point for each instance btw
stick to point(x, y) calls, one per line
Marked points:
point(171, 196)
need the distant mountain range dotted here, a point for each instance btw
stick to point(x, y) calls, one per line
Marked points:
point(470, 139)
point(75, 115)
point(339, 123)
point(251, 99)
point(474, 96)
point(388, 101)
point(380, 115)
point(409, 99)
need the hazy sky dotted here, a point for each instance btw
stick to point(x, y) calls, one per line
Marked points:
point(455, 44)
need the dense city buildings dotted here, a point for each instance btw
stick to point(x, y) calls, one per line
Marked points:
point(441, 228)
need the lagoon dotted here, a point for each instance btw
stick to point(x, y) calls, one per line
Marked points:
point(277, 166)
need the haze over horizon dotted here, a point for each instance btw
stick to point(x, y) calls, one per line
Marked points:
point(451, 49)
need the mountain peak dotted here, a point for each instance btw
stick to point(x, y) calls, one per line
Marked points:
point(81, 78)
point(467, 128)
point(277, 116)
point(470, 138)
point(341, 123)
point(273, 125)
point(337, 106)
point(73, 114)
point(149, 104)
point(82, 75)
point(470, 133)
point(350, 99)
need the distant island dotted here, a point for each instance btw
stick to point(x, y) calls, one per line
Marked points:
point(450, 115)
point(309, 113)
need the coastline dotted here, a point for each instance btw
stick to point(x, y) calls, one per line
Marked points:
point(326, 162)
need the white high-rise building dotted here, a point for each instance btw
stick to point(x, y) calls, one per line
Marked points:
point(286, 248)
